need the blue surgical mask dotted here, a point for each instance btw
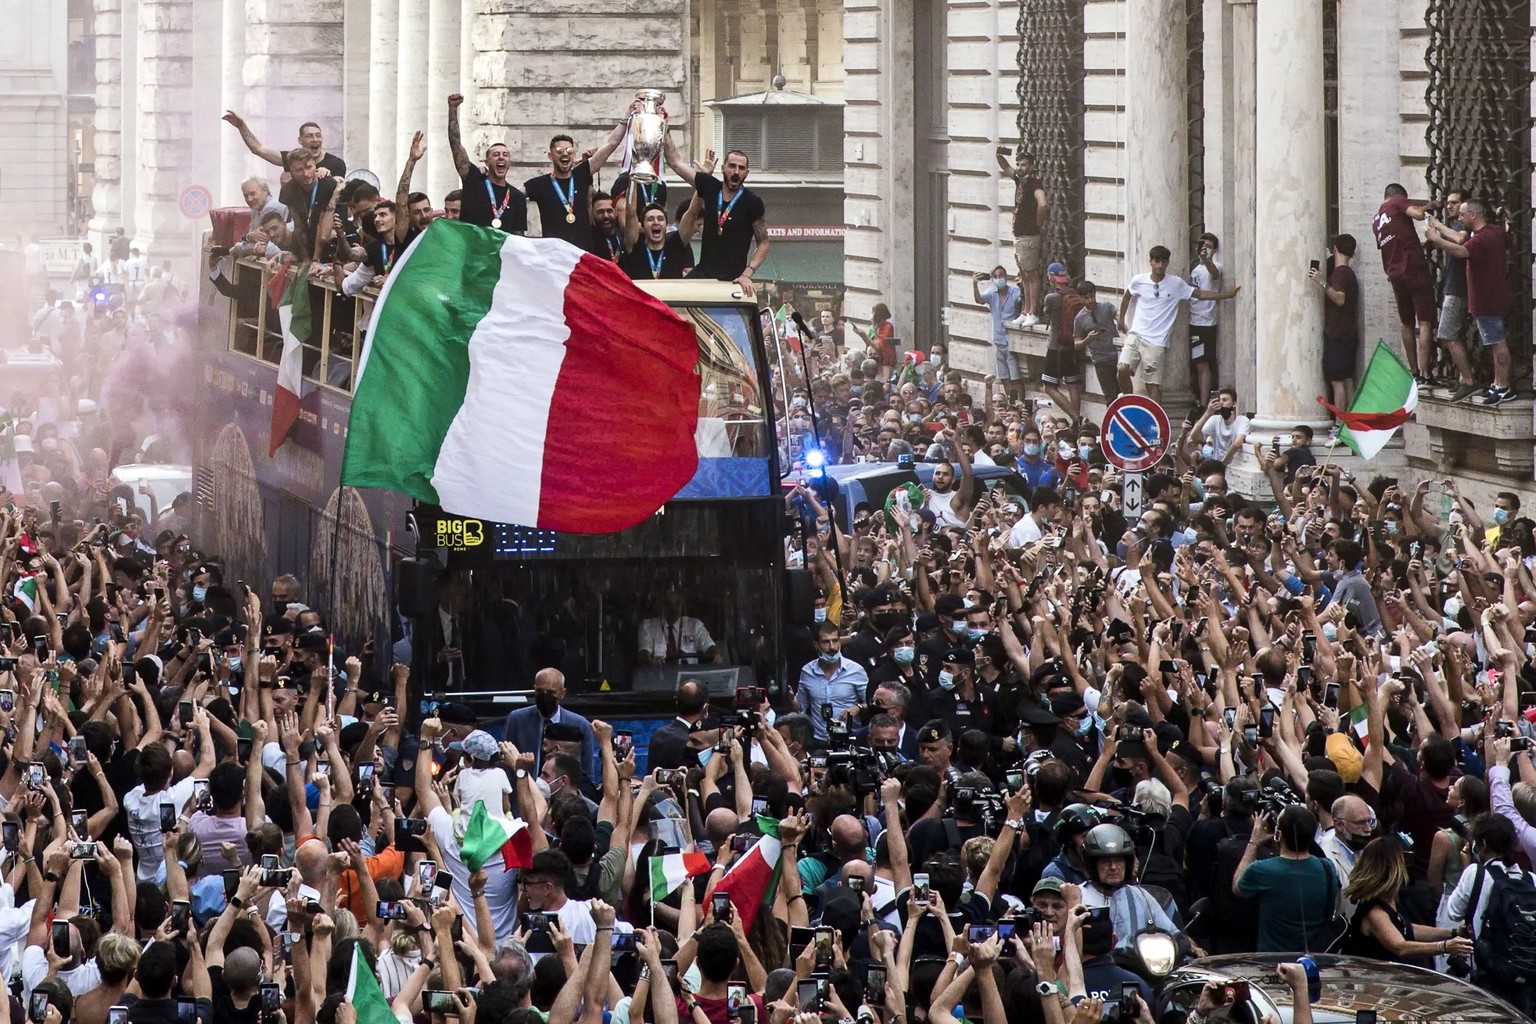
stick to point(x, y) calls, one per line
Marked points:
point(1085, 726)
point(821, 615)
point(235, 663)
point(1032, 450)
point(1501, 516)
point(704, 755)
point(904, 655)
point(947, 680)
point(1391, 525)
point(1189, 535)
point(198, 593)
point(1330, 632)
point(977, 635)
point(1085, 452)
point(830, 657)
point(1207, 452)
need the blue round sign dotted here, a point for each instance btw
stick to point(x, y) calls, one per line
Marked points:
point(1135, 433)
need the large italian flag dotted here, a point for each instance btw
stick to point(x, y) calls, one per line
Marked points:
point(490, 834)
point(523, 381)
point(364, 993)
point(1384, 401)
point(671, 870)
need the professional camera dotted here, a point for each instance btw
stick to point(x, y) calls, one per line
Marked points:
point(1275, 796)
point(859, 768)
point(979, 804)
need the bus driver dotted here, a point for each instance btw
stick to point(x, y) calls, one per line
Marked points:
point(673, 638)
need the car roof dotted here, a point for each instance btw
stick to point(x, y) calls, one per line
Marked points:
point(1395, 991)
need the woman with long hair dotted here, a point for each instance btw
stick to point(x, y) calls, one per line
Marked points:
point(1379, 928)
point(882, 335)
point(1449, 853)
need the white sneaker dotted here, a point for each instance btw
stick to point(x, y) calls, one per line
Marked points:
point(1028, 320)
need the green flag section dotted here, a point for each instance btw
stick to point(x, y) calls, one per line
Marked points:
point(488, 835)
point(753, 880)
point(1384, 401)
point(364, 993)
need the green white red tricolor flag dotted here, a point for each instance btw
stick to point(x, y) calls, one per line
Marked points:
point(753, 879)
point(1384, 401)
point(290, 293)
point(670, 870)
point(523, 381)
point(364, 993)
point(490, 834)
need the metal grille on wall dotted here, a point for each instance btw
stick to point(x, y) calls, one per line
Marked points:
point(1479, 134)
point(1051, 118)
point(1194, 14)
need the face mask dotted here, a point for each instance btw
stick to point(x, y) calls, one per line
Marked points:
point(1032, 450)
point(1454, 518)
point(821, 615)
point(1359, 842)
point(1501, 516)
point(546, 702)
point(1391, 525)
point(1189, 535)
point(1207, 452)
point(1330, 632)
point(904, 655)
point(198, 593)
point(911, 417)
point(830, 657)
point(1085, 452)
point(1227, 414)
point(947, 680)
point(235, 663)
point(977, 635)
point(703, 760)
point(1085, 726)
point(888, 620)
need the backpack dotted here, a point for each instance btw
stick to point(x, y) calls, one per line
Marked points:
point(1505, 942)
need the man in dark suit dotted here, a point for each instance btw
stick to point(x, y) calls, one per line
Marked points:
point(525, 727)
point(888, 729)
point(669, 745)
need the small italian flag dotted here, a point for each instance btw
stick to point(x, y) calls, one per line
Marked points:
point(671, 870)
point(523, 381)
point(1359, 723)
point(487, 834)
point(25, 591)
point(1385, 400)
point(364, 993)
point(753, 880)
point(291, 295)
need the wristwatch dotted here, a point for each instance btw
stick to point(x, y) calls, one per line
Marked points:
point(1046, 989)
point(1017, 824)
point(522, 773)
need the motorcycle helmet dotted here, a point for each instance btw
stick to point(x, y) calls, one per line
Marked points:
point(1075, 820)
point(1106, 842)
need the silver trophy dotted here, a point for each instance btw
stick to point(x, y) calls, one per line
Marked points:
point(647, 135)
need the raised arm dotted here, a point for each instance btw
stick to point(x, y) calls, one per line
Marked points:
point(596, 160)
point(682, 168)
point(402, 200)
point(461, 161)
point(252, 143)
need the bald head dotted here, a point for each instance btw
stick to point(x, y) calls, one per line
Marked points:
point(313, 861)
point(242, 970)
point(720, 823)
point(858, 869)
point(848, 837)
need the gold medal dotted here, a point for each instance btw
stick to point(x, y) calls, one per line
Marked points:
point(495, 222)
point(570, 218)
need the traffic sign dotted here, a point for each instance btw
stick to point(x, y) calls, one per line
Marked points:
point(1130, 496)
point(1135, 433)
point(195, 201)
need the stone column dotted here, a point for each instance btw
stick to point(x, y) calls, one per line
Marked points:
point(165, 104)
point(1290, 225)
point(411, 99)
point(107, 194)
point(469, 115)
point(357, 92)
point(1157, 154)
point(435, 175)
point(294, 71)
point(383, 82)
point(235, 161)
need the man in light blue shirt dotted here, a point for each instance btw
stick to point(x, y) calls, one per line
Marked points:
point(830, 679)
point(1004, 300)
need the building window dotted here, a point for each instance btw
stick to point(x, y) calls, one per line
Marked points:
point(786, 140)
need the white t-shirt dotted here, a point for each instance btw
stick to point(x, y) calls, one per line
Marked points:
point(500, 886)
point(1202, 312)
point(1221, 433)
point(1025, 531)
point(487, 784)
point(1157, 306)
point(943, 508)
point(143, 812)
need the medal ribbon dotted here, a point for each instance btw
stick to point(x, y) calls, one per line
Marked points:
point(497, 210)
point(389, 257)
point(568, 198)
point(725, 213)
point(657, 261)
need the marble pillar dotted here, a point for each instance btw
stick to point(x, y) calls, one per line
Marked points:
point(435, 175)
point(107, 194)
point(356, 79)
point(1239, 315)
point(411, 99)
point(235, 161)
point(1157, 152)
point(383, 81)
point(468, 117)
point(165, 105)
point(1291, 225)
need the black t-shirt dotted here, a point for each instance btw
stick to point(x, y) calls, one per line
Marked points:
point(476, 205)
point(609, 247)
point(305, 205)
point(1025, 221)
point(655, 192)
point(224, 1007)
point(727, 241)
point(676, 259)
point(331, 162)
point(550, 196)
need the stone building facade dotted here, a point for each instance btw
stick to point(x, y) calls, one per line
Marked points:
point(34, 116)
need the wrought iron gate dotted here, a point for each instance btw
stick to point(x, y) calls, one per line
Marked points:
point(1051, 118)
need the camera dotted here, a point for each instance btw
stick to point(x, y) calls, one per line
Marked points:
point(1502, 729)
point(1275, 796)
